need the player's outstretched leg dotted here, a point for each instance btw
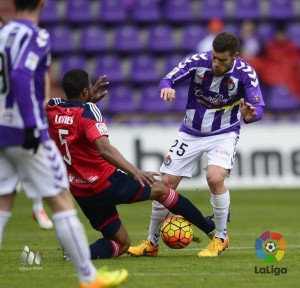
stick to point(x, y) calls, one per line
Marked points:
point(150, 246)
point(145, 248)
point(178, 205)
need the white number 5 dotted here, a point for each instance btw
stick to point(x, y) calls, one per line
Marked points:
point(63, 141)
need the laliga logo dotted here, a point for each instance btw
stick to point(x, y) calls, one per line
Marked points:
point(270, 247)
point(267, 243)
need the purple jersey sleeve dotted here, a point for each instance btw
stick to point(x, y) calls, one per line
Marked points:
point(253, 93)
point(183, 71)
point(27, 76)
point(252, 89)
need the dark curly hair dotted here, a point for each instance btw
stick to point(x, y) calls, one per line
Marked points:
point(22, 5)
point(74, 81)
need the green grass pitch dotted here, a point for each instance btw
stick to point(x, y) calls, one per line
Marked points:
point(252, 213)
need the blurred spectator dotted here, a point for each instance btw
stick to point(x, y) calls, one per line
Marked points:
point(251, 47)
point(1, 21)
point(282, 62)
point(214, 27)
point(250, 44)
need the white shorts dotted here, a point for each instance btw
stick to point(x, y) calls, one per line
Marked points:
point(187, 150)
point(42, 174)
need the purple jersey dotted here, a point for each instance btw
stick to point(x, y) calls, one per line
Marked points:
point(213, 101)
point(24, 59)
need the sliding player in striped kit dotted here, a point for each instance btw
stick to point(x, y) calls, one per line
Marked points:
point(223, 90)
point(96, 169)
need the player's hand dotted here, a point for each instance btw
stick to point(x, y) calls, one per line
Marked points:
point(168, 94)
point(247, 111)
point(99, 85)
point(31, 138)
point(145, 177)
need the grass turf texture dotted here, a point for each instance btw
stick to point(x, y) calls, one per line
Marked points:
point(252, 213)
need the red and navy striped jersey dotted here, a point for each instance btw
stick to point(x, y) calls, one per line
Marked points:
point(75, 126)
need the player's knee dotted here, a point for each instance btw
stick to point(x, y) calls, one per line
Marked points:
point(214, 179)
point(125, 248)
point(60, 202)
point(125, 245)
point(158, 191)
point(171, 181)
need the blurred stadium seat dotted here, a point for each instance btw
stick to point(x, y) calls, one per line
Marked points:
point(266, 30)
point(281, 9)
point(136, 42)
point(127, 39)
point(181, 97)
point(61, 39)
point(212, 9)
point(280, 98)
point(247, 9)
point(178, 11)
point(191, 35)
point(160, 39)
point(112, 11)
point(74, 11)
point(232, 27)
point(143, 69)
point(293, 31)
point(72, 61)
point(93, 39)
point(146, 11)
point(151, 101)
point(121, 99)
point(50, 13)
point(111, 66)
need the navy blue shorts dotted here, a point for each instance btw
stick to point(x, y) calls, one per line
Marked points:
point(101, 209)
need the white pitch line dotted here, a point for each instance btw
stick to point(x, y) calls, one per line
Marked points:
point(231, 248)
point(198, 273)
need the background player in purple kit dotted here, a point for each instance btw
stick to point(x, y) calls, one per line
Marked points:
point(223, 90)
point(26, 152)
point(39, 214)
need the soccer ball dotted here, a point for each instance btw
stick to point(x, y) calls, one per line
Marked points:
point(270, 247)
point(176, 232)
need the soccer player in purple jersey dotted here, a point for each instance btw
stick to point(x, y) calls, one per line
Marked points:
point(39, 214)
point(26, 151)
point(223, 89)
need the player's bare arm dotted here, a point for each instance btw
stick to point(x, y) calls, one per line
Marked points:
point(114, 157)
point(99, 85)
point(247, 111)
point(168, 94)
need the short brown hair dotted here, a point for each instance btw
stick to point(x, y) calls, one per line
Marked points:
point(226, 41)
